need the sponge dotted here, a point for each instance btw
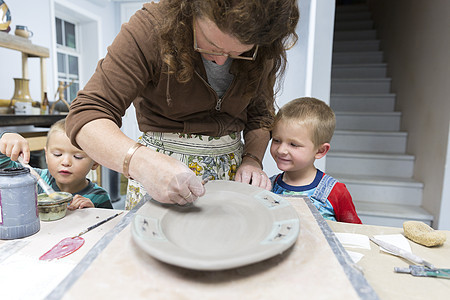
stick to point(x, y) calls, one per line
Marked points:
point(423, 234)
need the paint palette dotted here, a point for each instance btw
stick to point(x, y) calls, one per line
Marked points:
point(232, 225)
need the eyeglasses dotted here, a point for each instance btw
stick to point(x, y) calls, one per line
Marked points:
point(200, 50)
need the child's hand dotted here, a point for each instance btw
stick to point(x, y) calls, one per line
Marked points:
point(13, 144)
point(79, 201)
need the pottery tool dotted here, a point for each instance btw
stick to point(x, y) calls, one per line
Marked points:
point(401, 253)
point(205, 181)
point(422, 271)
point(69, 245)
point(47, 188)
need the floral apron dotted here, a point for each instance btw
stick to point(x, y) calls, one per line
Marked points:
point(214, 157)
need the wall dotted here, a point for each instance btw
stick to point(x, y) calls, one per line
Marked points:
point(416, 42)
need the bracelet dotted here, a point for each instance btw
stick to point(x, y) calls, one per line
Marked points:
point(247, 154)
point(126, 161)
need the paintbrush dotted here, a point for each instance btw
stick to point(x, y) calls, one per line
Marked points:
point(99, 223)
point(71, 244)
point(47, 188)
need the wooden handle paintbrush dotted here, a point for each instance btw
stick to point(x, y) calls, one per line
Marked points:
point(47, 188)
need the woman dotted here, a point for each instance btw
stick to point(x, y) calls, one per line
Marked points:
point(199, 73)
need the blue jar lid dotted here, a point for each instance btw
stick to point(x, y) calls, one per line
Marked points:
point(14, 171)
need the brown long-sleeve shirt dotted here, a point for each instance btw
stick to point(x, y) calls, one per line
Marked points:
point(133, 72)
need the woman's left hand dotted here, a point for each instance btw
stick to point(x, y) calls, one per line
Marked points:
point(252, 174)
point(250, 170)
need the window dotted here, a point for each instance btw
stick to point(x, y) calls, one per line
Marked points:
point(68, 57)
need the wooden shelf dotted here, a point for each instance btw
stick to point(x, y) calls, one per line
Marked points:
point(28, 50)
point(36, 120)
point(23, 45)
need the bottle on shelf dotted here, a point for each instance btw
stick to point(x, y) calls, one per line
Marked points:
point(44, 105)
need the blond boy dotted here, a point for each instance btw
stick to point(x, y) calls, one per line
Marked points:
point(302, 133)
point(67, 166)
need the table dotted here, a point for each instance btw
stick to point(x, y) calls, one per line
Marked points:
point(128, 272)
point(378, 267)
point(23, 276)
point(316, 267)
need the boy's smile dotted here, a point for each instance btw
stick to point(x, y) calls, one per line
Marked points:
point(294, 151)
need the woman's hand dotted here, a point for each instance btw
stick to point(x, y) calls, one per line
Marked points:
point(250, 172)
point(166, 179)
point(13, 144)
point(79, 201)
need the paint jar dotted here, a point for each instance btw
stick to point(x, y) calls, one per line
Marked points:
point(51, 209)
point(19, 216)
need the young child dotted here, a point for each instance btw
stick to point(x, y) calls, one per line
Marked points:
point(67, 166)
point(301, 133)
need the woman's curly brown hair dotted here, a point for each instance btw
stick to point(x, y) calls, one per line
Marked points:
point(268, 23)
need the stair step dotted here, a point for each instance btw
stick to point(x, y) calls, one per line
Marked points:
point(360, 85)
point(370, 121)
point(369, 141)
point(353, 15)
point(367, 152)
point(370, 164)
point(383, 189)
point(357, 57)
point(355, 35)
point(353, 25)
point(362, 102)
point(355, 46)
point(378, 70)
point(393, 215)
point(343, 8)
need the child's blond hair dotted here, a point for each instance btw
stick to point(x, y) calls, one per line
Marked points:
point(312, 113)
point(58, 126)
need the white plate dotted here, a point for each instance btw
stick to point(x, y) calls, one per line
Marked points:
point(232, 225)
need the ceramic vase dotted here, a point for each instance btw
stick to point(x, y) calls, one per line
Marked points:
point(21, 100)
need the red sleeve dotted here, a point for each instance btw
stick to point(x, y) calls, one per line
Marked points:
point(342, 203)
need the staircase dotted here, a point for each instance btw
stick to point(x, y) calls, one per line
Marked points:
point(368, 150)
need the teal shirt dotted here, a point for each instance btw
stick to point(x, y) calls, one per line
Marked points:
point(92, 191)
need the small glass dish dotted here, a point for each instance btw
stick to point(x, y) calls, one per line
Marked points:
point(50, 209)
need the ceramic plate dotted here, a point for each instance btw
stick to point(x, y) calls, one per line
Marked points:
point(232, 225)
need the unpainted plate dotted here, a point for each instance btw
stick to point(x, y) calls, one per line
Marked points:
point(232, 225)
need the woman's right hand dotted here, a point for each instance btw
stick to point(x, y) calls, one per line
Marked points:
point(166, 179)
